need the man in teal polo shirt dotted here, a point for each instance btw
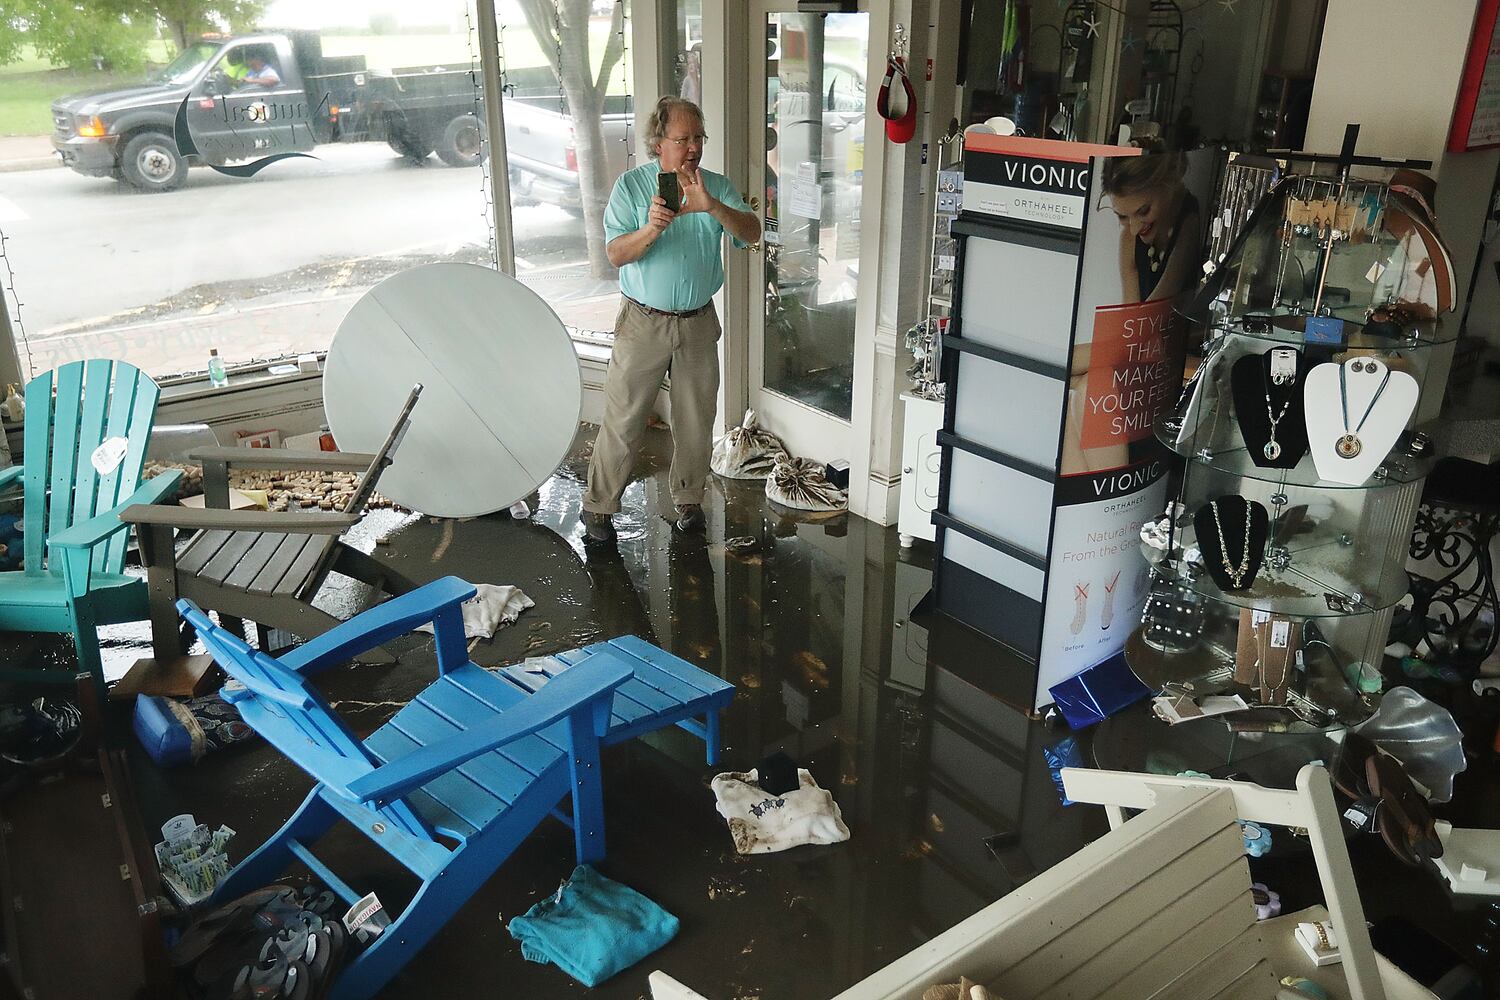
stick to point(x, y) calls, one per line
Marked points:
point(670, 268)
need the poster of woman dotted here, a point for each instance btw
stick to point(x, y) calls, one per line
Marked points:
point(1125, 309)
point(1143, 250)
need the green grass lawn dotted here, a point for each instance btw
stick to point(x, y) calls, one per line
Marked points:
point(29, 86)
point(26, 97)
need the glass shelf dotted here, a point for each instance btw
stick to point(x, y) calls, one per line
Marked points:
point(1300, 590)
point(1208, 668)
point(1328, 247)
point(1228, 455)
point(1287, 329)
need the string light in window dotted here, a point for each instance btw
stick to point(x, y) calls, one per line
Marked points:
point(485, 189)
point(9, 295)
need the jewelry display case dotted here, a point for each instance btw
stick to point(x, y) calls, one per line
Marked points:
point(1277, 568)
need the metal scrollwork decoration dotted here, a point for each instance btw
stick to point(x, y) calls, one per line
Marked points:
point(1445, 610)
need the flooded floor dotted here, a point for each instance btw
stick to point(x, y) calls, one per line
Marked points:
point(943, 785)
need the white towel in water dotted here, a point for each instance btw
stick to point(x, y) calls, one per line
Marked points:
point(762, 823)
point(490, 608)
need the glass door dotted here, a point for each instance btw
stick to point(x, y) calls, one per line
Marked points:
point(807, 126)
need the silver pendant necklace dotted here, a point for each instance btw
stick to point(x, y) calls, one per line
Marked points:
point(1272, 450)
point(1349, 445)
point(1236, 573)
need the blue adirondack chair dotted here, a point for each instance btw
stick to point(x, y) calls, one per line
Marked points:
point(450, 763)
point(72, 507)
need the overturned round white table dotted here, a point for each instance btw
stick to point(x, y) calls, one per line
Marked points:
point(502, 392)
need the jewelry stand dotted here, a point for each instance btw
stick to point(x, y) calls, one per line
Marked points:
point(1267, 386)
point(1328, 537)
point(1353, 422)
point(1239, 573)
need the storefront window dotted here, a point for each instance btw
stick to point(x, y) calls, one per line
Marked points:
point(569, 134)
point(815, 155)
point(328, 153)
point(688, 66)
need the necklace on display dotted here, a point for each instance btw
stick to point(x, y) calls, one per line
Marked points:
point(1279, 376)
point(1349, 445)
point(1236, 573)
point(1272, 450)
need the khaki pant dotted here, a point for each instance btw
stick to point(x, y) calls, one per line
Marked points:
point(645, 345)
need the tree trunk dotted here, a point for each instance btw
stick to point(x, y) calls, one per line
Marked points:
point(562, 31)
point(586, 106)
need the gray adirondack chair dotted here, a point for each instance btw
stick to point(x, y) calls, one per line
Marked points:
point(260, 566)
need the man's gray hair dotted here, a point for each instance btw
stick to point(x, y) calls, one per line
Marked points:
point(656, 125)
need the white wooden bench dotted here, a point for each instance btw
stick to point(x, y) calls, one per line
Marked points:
point(1159, 907)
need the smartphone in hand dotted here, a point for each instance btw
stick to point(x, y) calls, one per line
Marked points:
point(668, 190)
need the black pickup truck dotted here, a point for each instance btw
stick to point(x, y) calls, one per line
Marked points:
point(129, 134)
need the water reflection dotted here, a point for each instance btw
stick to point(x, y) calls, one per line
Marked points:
point(942, 784)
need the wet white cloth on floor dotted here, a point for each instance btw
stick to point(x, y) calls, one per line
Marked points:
point(490, 608)
point(762, 823)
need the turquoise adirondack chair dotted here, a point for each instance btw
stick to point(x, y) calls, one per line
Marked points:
point(85, 448)
point(449, 787)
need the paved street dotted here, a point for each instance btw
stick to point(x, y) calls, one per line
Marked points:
point(256, 267)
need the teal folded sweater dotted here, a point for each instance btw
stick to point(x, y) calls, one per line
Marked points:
point(592, 928)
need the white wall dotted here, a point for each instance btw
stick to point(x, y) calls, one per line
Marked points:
point(1393, 67)
point(1404, 107)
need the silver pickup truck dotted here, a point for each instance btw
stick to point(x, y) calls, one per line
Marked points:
point(540, 143)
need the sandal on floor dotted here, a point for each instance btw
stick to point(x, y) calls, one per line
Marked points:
point(1390, 832)
point(327, 960)
point(1349, 766)
point(260, 980)
point(207, 930)
point(1406, 822)
point(298, 984)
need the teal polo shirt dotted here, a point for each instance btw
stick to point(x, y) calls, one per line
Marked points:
point(683, 268)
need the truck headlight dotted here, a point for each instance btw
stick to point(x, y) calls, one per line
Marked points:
point(91, 127)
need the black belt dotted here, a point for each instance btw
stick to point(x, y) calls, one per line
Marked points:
point(685, 314)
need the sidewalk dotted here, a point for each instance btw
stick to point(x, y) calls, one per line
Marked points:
point(26, 152)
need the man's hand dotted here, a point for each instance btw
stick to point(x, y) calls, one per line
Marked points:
point(695, 197)
point(632, 247)
point(659, 217)
point(743, 226)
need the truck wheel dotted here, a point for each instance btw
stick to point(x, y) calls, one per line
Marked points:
point(150, 162)
point(461, 145)
point(409, 146)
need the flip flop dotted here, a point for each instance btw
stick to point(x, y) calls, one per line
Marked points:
point(1349, 766)
point(206, 930)
point(1406, 815)
point(323, 965)
point(239, 945)
point(322, 903)
point(262, 979)
point(298, 984)
point(1390, 833)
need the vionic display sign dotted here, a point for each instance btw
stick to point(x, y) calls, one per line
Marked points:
point(1025, 180)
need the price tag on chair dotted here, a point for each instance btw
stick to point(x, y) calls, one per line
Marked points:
point(108, 456)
